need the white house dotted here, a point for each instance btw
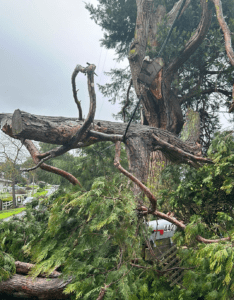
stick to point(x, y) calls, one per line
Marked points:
point(4, 183)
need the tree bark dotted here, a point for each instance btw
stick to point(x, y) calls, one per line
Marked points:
point(140, 139)
point(24, 269)
point(38, 288)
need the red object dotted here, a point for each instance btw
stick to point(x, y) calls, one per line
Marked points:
point(161, 231)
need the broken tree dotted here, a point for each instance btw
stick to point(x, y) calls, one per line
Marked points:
point(163, 118)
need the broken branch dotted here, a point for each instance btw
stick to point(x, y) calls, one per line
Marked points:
point(73, 80)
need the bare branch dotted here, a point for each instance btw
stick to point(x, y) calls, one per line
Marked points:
point(183, 226)
point(196, 92)
point(73, 80)
point(182, 155)
point(225, 29)
point(106, 137)
point(85, 126)
point(103, 291)
point(34, 154)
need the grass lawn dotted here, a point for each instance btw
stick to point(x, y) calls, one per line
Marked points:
point(7, 213)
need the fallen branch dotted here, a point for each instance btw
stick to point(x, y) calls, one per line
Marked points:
point(73, 80)
point(38, 288)
point(24, 269)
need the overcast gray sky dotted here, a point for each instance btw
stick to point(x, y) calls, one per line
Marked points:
point(41, 43)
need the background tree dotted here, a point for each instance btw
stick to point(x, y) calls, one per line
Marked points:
point(12, 153)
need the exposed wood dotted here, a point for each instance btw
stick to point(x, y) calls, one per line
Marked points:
point(74, 91)
point(38, 288)
point(24, 268)
point(59, 130)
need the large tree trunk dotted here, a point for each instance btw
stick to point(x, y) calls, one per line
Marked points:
point(38, 288)
point(161, 105)
point(140, 141)
point(43, 287)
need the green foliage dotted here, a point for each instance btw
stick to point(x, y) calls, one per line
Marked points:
point(7, 266)
point(117, 18)
point(97, 161)
point(206, 191)
point(17, 232)
point(92, 236)
point(203, 198)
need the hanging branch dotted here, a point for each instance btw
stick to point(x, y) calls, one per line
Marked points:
point(73, 80)
point(182, 155)
point(35, 153)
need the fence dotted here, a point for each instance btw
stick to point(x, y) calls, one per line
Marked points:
point(4, 205)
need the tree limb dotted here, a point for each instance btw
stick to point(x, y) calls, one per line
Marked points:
point(24, 269)
point(225, 29)
point(34, 154)
point(73, 80)
point(194, 41)
point(39, 288)
point(196, 92)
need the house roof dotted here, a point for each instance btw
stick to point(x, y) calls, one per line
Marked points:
point(5, 180)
